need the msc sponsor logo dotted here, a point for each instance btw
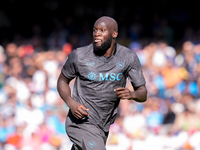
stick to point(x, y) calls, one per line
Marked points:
point(111, 77)
point(105, 77)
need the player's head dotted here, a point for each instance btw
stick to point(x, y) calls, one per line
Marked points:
point(105, 31)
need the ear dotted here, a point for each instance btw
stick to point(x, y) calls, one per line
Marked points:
point(114, 35)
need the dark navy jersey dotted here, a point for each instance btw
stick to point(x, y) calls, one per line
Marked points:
point(98, 76)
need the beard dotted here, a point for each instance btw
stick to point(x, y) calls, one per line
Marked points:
point(101, 50)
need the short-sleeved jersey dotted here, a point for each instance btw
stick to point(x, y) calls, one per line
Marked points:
point(98, 76)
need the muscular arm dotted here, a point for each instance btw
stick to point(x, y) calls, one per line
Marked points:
point(64, 89)
point(65, 93)
point(139, 94)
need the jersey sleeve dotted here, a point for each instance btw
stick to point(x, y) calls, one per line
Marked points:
point(69, 69)
point(135, 73)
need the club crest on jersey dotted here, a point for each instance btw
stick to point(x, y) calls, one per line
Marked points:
point(120, 65)
point(91, 144)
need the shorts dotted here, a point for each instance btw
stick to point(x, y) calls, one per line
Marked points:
point(84, 135)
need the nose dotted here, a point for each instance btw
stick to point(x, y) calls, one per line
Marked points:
point(97, 33)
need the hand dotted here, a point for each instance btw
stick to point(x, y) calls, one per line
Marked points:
point(123, 93)
point(78, 110)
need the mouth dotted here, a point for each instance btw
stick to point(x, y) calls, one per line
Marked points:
point(97, 40)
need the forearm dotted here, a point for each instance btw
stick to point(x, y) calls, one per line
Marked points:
point(64, 89)
point(140, 94)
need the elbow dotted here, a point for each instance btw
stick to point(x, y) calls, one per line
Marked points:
point(141, 99)
point(140, 94)
point(144, 98)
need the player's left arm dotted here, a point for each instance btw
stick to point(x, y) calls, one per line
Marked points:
point(139, 94)
point(136, 77)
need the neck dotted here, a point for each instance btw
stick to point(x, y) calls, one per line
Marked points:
point(111, 50)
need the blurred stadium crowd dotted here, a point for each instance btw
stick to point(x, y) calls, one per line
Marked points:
point(32, 115)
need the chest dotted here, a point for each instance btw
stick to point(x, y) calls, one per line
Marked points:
point(93, 69)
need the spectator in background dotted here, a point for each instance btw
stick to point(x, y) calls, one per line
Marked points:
point(39, 77)
point(171, 75)
point(6, 130)
point(16, 80)
point(3, 66)
point(185, 121)
point(11, 51)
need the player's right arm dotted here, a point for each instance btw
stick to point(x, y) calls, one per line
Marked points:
point(65, 93)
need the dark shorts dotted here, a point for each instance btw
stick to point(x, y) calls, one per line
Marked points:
point(84, 135)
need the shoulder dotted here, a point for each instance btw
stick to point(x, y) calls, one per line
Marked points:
point(130, 57)
point(81, 51)
point(84, 49)
point(90, 46)
point(125, 51)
